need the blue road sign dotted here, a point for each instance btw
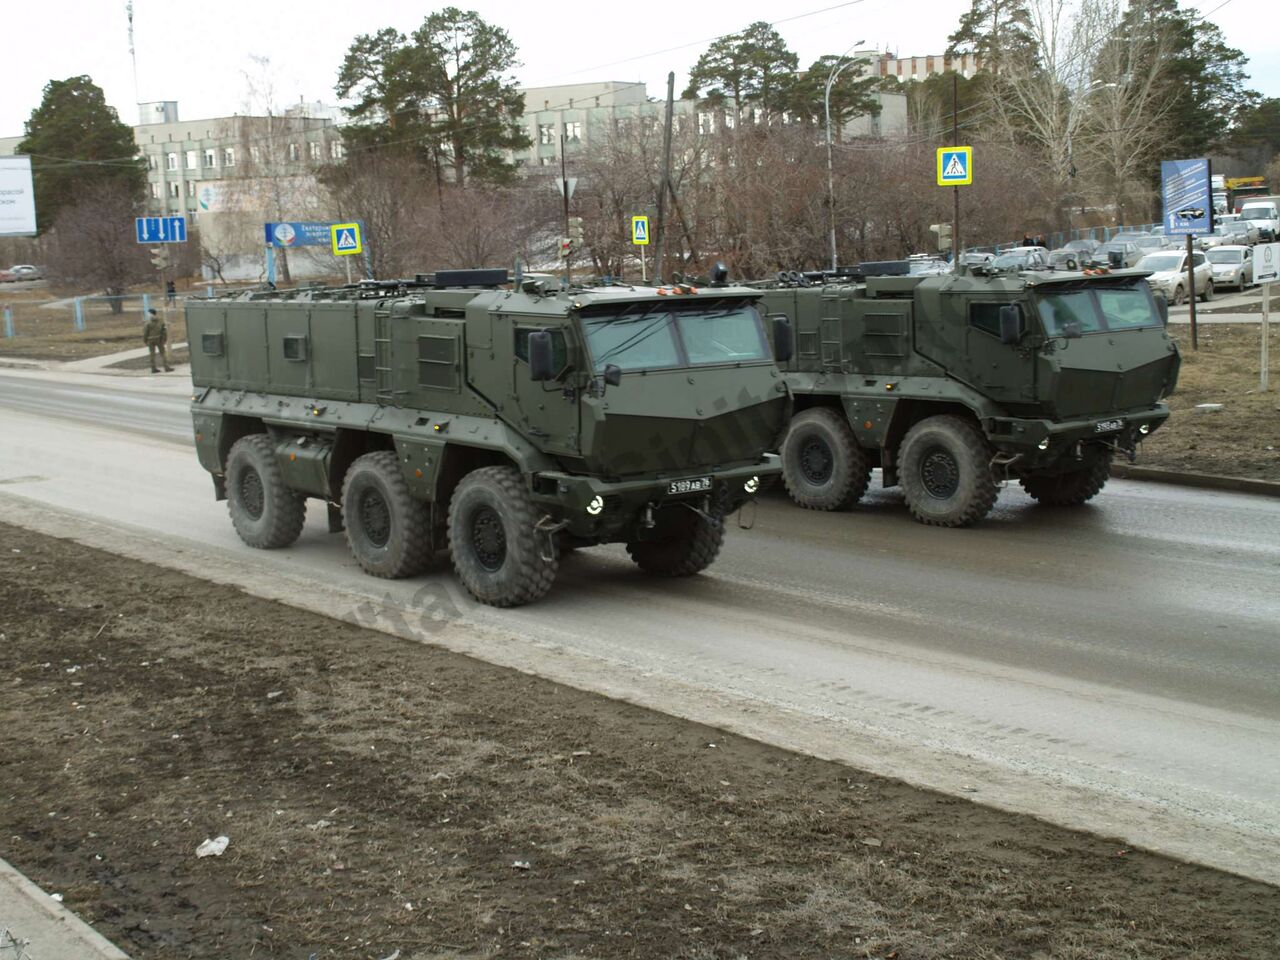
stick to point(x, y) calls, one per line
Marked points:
point(298, 233)
point(160, 229)
point(1187, 190)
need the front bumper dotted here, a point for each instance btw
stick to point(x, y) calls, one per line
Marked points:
point(604, 510)
point(1035, 444)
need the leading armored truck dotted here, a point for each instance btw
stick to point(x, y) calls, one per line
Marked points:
point(952, 384)
point(506, 422)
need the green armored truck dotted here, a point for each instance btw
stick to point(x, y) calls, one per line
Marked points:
point(952, 384)
point(506, 422)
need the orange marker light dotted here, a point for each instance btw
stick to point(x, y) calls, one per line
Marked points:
point(866, 425)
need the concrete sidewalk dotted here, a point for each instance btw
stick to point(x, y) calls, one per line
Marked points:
point(37, 927)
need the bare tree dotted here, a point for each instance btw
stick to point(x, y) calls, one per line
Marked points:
point(86, 249)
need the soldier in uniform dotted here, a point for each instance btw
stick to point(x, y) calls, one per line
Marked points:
point(156, 335)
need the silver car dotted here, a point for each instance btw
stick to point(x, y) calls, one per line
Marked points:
point(1168, 270)
point(24, 271)
point(1243, 232)
point(1128, 251)
point(1232, 266)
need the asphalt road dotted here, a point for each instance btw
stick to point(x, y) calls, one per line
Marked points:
point(1114, 667)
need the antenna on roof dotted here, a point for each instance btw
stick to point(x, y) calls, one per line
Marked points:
point(128, 9)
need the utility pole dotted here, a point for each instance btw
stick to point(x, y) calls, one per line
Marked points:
point(955, 142)
point(665, 183)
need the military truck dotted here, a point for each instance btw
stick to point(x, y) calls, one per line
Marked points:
point(954, 384)
point(506, 422)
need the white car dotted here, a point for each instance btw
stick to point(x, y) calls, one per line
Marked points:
point(1022, 258)
point(1169, 274)
point(1232, 266)
point(1265, 215)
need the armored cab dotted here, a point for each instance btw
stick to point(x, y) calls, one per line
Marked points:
point(951, 384)
point(506, 425)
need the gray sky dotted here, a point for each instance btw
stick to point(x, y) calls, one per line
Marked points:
point(199, 53)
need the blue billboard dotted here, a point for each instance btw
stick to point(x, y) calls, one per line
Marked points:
point(298, 234)
point(1187, 189)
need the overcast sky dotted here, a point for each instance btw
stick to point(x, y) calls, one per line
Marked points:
point(199, 53)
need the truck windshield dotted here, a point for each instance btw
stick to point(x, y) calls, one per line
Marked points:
point(1098, 310)
point(648, 336)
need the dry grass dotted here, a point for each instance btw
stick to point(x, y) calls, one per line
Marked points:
point(44, 325)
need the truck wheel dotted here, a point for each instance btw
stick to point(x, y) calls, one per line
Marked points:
point(264, 511)
point(1070, 489)
point(496, 550)
point(945, 470)
point(687, 546)
point(389, 532)
point(822, 465)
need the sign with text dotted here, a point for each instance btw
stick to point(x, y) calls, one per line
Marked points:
point(1187, 189)
point(296, 233)
point(1266, 263)
point(17, 198)
point(955, 166)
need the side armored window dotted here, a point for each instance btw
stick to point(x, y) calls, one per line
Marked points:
point(559, 351)
point(986, 317)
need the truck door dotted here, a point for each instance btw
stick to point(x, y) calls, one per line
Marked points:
point(545, 411)
point(1004, 372)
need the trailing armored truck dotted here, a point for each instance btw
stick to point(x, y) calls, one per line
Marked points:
point(953, 384)
point(505, 422)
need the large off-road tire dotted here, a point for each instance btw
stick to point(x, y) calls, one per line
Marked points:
point(388, 531)
point(822, 465)
point(1071, 489)
point(687, 543)
point(264, 511)
point(497, 552)
point(944, 465)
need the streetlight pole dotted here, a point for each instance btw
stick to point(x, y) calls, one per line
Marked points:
point(831, 181)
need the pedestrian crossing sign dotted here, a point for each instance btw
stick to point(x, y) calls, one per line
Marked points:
point(955, 166)
point(346, 239)
point(640, 231)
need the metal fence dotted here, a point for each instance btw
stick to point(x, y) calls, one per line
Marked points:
point(23, 315)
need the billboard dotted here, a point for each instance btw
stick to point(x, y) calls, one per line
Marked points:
point(17, 198)
point(1187, 189)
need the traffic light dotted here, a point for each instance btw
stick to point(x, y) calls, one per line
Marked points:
point(941, 233)
point(566, 247)
point(159, 258)
point(575, 233)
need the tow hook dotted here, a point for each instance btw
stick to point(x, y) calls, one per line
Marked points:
point(1001, 463)
point(550, 529)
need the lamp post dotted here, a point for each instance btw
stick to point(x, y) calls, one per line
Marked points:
point(831, 182)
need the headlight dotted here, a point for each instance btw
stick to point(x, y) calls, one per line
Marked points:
point(1043, 444)
point(1144, 429)
point(595, 506)
point(752, 485)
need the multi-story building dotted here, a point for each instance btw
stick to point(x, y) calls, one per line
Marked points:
point(917, 68)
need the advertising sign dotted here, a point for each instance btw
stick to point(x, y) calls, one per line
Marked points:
point(1266, 263)
point(1187, 189)
point(17, 198)
point(298, 234)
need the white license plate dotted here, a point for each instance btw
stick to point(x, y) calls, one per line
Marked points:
point(1108, 426)
point(689, 486)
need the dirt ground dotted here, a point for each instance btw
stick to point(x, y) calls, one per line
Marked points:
point(44, 326)
point(381, 795)
point(1243, 438)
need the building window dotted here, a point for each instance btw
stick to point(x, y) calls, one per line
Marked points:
point(573, 130)
point(151, 161)
point(336, 150)
point(313, 148)
point(293, 151)
point(546, 161)
point(229, 157)
point(174, 189)
point(171, 161)
point(155, 191)
point(546, 133)
point(191, 159)
point(210, 158)
point(255, 154)
point(191, 188)
point(706, 123)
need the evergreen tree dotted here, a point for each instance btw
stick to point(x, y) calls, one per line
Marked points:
point(753, 67)
point(852, 95)
point(79, 148)
point(998, 31)
point(445, 90)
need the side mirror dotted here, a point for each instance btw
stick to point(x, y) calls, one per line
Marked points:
point(541, 356)
point(612, 374)
point(1010, 323)
point(784, 340)
point(1162, 308)
point(1071, 330)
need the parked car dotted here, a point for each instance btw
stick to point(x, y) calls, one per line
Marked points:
point(1151, 244)
point(1083, 246)
point(6, 277)
point(1244, 232)
point(1064, 259)
point(24, 271)
point(927, 265)
point(1215, 239)
point(1232, 266)
point(1127, 251)
point(1265, 215)
point(1128, 236)
point(1169, 274)
point(1023, 258)
point(976, 258)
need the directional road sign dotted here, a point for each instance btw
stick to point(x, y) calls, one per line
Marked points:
point(1266, 263)
point(346, 239)
point(1187, 189)
point(955, 166)
point(640, 231)
point(160, 229)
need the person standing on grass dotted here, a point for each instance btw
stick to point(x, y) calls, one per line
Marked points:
point(155, 334)
point(170, 292)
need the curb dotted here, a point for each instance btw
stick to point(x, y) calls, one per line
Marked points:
point(1208, 481)
point(33, 917)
